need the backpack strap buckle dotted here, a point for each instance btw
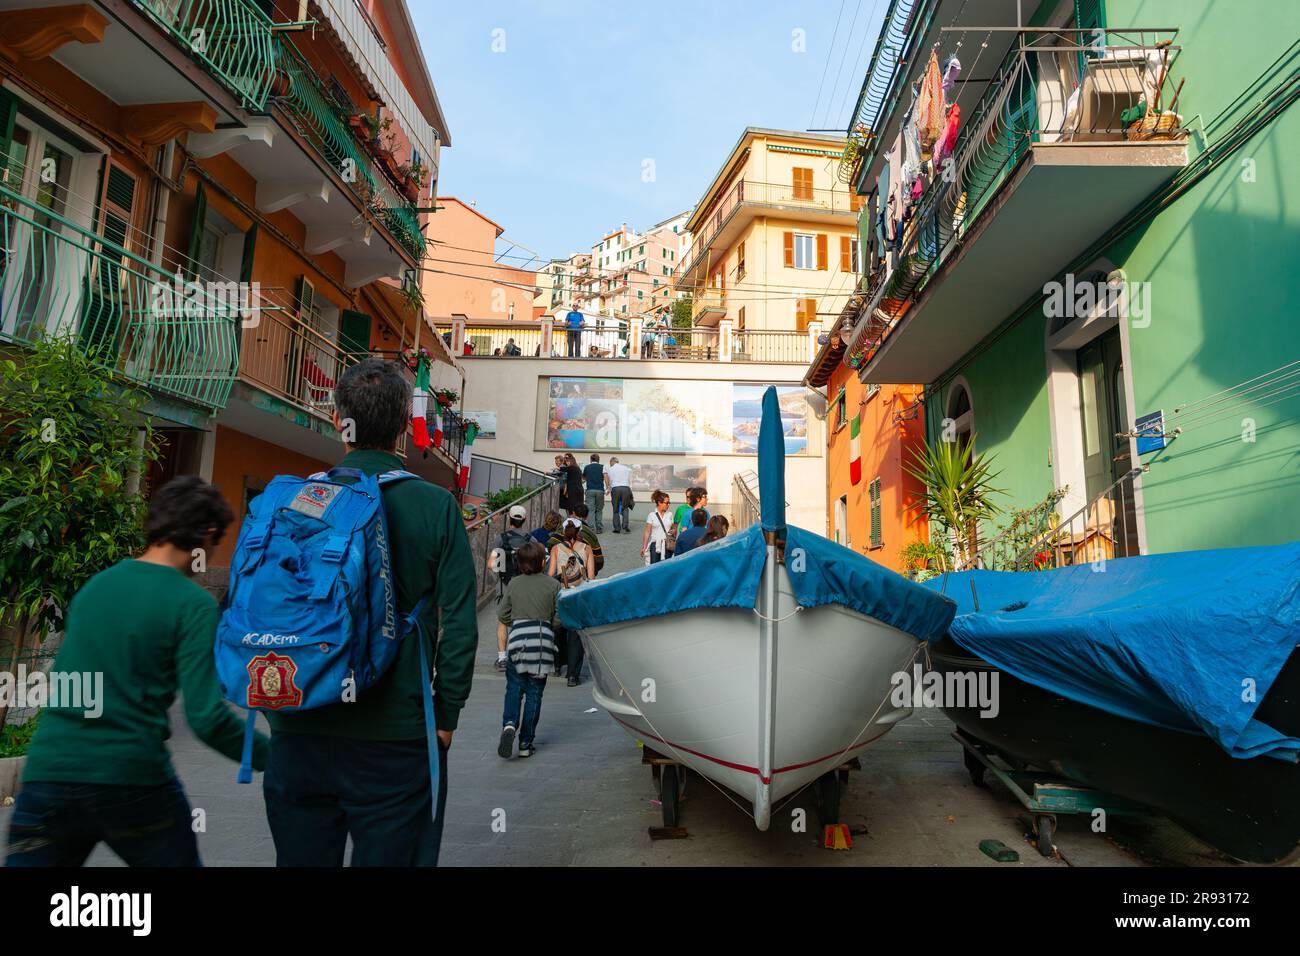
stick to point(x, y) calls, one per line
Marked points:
point(255, 537)
point(335, 547)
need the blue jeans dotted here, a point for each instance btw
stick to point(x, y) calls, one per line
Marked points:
point(320, 790)
point(596, 508)
point(59, 824)
point(527, 690)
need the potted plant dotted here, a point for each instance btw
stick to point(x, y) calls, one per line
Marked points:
point(958, 493)
point(69, 442)
point(446, 397)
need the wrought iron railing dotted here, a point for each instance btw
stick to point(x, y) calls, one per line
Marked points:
point(1054, 86)
point(307, 104)
point(231, 38)
point(57, 278)
point(749, 192)
point(745, 509)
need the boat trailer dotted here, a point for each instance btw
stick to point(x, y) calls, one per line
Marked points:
point(669, 776)
point(1043, 794)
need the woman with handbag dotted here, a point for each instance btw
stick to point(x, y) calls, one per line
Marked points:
point(660, 536)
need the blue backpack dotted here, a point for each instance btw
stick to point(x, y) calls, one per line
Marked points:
point(311, 615)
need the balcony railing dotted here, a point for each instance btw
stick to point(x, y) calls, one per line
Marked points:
point(1054, 86)
point(319, 123)
point(57, 278)
point(232, 38)
point(696, 344)
point(748, 192)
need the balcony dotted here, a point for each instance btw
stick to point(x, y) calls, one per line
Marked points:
point(305, 102)
point(710, 307)
point(231, 38)
point(1043, 167)
point(57, 278)
point(748, 198)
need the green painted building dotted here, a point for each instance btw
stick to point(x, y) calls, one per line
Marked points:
point(1099, 280)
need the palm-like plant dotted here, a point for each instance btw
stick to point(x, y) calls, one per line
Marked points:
point(958, 492)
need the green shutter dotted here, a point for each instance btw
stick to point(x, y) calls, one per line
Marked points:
point(8, 110)
point(246, 261)
point(101, 320)
point(1089, 15)
point(354, 333)
point(196, 228)
point(874, 489)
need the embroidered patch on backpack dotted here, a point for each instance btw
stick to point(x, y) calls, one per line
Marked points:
point(270, 682)
point(314, 498)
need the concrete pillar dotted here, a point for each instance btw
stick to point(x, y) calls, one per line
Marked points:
point(548, 331)
point(814, 330)
point(458, 334)
point(634, 330)
point(726, 343)
point(207, 452)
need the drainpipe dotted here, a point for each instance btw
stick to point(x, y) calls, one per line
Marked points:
point(167, 163)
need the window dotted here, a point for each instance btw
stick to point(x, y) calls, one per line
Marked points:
point(855, 255)
point(841, 409)
point(803, 187)
point(805, 251)
point(848, 254)
point(873, 491)
point(641, 251)
point(656, 283)
point(805, 311)
point(740, 261)
point(740, 320)
point(842, 521)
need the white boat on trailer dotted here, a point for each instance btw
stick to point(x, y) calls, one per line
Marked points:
point(763, 662)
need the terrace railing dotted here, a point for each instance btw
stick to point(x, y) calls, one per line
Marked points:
point(319, 122)
point(1053, 86)
point(745, 509)
point(485, 534)
point(57, 278)
point(695, 344)
point(231, 38)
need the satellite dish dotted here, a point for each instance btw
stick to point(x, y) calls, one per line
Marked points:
point(817, 402)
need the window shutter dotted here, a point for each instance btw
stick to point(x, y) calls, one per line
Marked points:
point(805, 312)
point(802, 183)
point(196, 229)
point(787, 240)
point(102, 316)
point(305, 297)
point(246, 260)
point(8, 110)
point(822, 255)
point(846, 254)
point(354, 333)
point(740, 320)
point(875, 513)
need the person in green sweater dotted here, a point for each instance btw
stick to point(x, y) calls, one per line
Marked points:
point(104, 775)
point(360, 768)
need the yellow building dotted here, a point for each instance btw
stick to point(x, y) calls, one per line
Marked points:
point(774, 242)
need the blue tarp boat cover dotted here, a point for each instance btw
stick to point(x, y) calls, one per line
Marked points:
point(727, 574)
point(1191, 641)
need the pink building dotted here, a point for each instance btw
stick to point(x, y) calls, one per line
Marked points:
point(461, 275)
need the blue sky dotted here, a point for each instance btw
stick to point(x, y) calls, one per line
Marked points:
point(550, 135)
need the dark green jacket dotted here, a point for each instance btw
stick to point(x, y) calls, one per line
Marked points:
point(149, 631)
point(430, 550)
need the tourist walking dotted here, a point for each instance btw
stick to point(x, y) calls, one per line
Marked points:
point(99, 772)
point(618, 479)
point(716, 530)
point(513, 539)
point(572, 494)
point(526, 625)
point(691, 537)
point(573, 563)
point(574, 323)
point(594, 473)
point(660, 534)
point(550, 525)
point(359, 769)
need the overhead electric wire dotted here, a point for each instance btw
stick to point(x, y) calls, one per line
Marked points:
point(816, 103)
point(848, 40)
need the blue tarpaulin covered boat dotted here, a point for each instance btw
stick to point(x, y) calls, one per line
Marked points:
point(1172, 680)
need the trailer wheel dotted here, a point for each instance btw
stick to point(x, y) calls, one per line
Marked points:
point(974, 766)
point(828, 798)
point(1044, 831)
point(668, 794)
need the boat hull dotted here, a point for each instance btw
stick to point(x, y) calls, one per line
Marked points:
point(761, 701)
point(1247, 809)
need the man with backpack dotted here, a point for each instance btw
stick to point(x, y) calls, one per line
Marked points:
point(362, 766)
point(507, 564)
point(103, 774)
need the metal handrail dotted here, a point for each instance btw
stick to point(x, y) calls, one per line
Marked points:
point(486, 530)
point(232, 38)
point(57, 277)
point(309, 108)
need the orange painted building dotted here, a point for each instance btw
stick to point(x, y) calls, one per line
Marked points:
point(875, 515)
point(462, 276)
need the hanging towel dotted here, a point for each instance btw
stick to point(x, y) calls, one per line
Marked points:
point(949, 140)
point(951, 68)
point(911, 151)
point(929, 106)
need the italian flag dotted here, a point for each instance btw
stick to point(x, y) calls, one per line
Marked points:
point(466, 456)
point(437, 428)
point(420, 405)
point(855, 449)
